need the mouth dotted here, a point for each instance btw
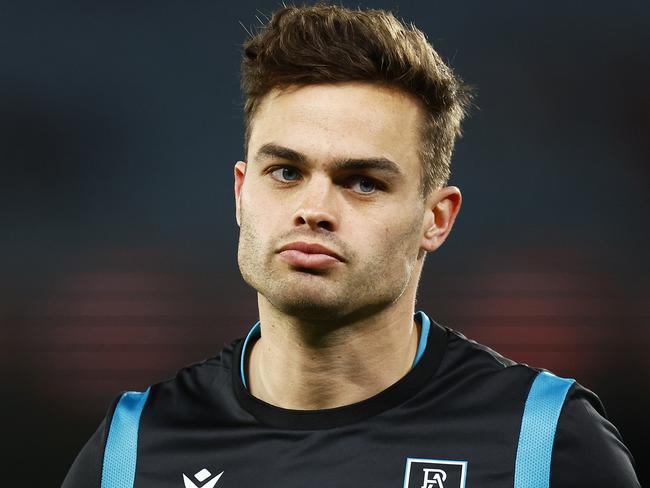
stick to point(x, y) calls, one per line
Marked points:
point(309, 256)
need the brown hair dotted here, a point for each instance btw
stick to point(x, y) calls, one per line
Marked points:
point(329, 44)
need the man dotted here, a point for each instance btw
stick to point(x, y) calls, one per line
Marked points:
point(351, 119)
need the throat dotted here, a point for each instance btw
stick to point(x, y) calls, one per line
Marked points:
point(296, 377)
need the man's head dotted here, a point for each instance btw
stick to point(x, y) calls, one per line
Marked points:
point(335, 159)
point(331, 44)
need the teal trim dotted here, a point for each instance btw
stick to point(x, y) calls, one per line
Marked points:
point(121, 453)
point(424, 336)
point(254, 333)
point(541, 414)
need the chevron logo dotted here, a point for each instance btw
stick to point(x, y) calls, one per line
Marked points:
point(201, 476)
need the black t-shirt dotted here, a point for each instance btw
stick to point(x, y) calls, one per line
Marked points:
point(455, 420)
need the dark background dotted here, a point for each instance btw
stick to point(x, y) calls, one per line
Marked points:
point(119, 126)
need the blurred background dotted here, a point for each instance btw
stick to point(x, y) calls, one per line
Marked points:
point(119, 126)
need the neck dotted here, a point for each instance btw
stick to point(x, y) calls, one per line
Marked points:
point(303, 365)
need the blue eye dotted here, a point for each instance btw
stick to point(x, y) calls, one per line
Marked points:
point(286, 173)
point(365, 185)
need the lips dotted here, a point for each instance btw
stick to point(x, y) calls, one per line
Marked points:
point(310, 256)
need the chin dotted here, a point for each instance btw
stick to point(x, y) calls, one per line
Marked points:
point(317, 309)
point(310, 308)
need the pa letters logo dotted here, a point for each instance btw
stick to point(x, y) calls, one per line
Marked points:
point(434, 473)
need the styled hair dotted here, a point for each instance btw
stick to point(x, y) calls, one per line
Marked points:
point(331, 44)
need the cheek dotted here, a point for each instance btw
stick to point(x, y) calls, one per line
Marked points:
point(254, 206)
point(404, 239)
point(259, 227)
point(263, 204)
point(394, 246)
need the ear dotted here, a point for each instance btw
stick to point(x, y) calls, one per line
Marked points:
point(240, 173)
point(442, 207)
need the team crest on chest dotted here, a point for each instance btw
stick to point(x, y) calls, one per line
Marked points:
point(434, 473)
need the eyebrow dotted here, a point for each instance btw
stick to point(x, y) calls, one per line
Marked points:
point(271, 150)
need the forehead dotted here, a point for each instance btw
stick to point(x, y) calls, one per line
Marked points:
point(329, 121)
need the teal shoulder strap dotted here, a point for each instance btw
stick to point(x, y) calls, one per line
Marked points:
point(120, 455)
point(541, 414)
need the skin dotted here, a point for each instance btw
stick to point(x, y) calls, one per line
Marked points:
point(336, 165)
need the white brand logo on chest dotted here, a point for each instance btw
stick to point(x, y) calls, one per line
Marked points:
point(201, 476)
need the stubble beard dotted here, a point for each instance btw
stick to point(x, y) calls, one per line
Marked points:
point(352, 291)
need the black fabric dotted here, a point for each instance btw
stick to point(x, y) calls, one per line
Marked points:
point(461, 403)
point(588, 446)
point(86, 470)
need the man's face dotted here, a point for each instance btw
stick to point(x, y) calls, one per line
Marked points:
point(335, 166)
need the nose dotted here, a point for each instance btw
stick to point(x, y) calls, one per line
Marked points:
point(317, 206)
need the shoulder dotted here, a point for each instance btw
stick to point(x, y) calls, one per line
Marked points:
point(481, 385)
point(198, 386)
point(588, 450)
point(86, 470)
point(196, 392)
point(467, 362)
point(468, 349)
point(196, 381)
